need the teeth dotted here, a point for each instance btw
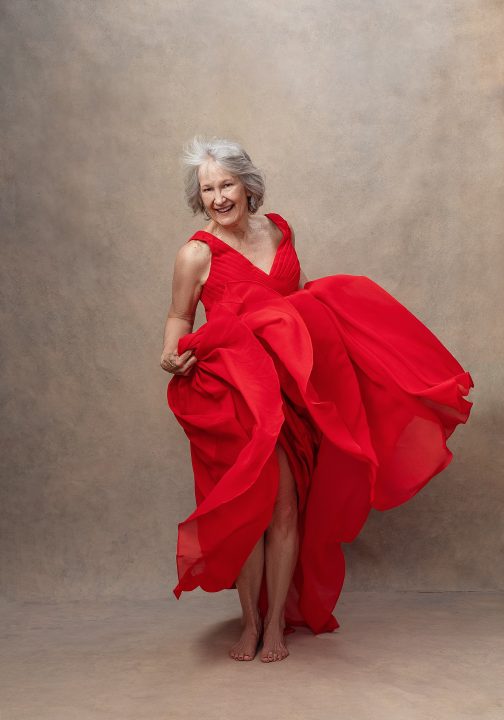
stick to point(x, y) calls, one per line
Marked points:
point(224, 209)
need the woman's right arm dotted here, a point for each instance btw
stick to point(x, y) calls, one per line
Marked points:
point(191, 265)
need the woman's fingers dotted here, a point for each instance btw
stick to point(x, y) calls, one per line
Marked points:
point(187, 366)
point(179, 364)
point(184, 363)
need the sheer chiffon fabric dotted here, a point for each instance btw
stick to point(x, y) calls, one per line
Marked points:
point(360, 394)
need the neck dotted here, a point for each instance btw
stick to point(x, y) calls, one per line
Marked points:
point(240, 230)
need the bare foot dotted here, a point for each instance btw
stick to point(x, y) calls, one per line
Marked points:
point(246, 647)
point(274, 647)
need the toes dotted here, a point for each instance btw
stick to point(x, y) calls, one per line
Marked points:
point(275, 655)
point(240, 655)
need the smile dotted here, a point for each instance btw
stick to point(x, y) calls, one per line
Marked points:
point(224, 210)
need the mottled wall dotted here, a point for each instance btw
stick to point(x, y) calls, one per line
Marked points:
point(379, 128)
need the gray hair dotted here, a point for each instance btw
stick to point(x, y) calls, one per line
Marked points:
point(232, 157)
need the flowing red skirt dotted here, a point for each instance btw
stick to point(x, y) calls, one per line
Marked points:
point(359, 393)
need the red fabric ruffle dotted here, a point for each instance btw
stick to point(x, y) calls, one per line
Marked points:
point(361, 395)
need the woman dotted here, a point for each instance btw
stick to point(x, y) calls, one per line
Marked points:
point(306, 403)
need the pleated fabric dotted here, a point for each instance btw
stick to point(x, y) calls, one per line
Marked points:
point(360, 394)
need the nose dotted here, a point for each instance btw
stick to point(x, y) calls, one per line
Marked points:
point(219, 199)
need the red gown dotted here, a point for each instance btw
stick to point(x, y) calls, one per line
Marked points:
point(360, 394)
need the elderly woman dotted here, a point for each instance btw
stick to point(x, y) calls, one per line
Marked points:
point(306, 403)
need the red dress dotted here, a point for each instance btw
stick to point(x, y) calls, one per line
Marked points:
point(360, 394)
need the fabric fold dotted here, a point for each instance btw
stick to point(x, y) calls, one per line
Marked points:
point(358, 392)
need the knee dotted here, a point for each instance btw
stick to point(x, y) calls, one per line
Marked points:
point(285, 515)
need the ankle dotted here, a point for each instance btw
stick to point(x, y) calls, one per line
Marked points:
point(274, 620)
point(253, 622)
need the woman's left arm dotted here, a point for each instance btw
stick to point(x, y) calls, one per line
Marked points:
point(302, 277)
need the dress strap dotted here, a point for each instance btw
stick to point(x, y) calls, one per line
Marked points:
point(212, 242)
point(281, 222)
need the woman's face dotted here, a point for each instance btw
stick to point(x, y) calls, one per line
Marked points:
point(223, 194)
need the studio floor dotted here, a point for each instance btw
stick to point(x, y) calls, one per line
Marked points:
point(397, 655)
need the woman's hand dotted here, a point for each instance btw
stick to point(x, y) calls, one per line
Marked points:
point(178, 364)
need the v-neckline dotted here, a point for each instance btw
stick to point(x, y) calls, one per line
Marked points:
point(237, 252)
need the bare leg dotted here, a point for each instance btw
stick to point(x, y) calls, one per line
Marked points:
point(248, 584)
point(281, 551)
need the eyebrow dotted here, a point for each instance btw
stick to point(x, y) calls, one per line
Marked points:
point(225, 180)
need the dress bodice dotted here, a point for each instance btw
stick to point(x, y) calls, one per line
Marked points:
point(229, 264)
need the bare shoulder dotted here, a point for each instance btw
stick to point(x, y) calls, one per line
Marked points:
point(194, 252)
point(192, 258)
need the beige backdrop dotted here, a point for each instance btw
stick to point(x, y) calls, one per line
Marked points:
point(380, 132)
